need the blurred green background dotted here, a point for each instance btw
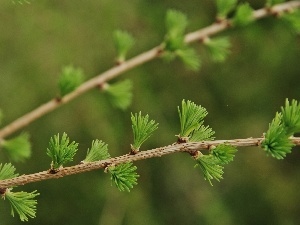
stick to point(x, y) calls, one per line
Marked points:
point(241, 96)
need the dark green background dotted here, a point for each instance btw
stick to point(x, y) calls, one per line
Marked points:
point(241, 96)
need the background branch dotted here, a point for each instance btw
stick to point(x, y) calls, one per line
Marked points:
point(134, 62)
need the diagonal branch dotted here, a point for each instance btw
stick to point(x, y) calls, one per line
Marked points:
point(225, 24)
point(190, 148)
point(134, 62)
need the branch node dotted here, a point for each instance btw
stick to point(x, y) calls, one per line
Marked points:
point(58, 99)
point(133, 151)
point(273, 12)
point(106, 165)
point(103, 86)
point(220, 20)
point(160, 50)
point(2, 191)
point(53, 171)
point(224, 21)
point(119, 62)
point(211, 148)
point(181, 140)
point(195, 154)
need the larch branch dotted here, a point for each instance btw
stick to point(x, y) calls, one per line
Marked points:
point(134, 62)
point(190, 147)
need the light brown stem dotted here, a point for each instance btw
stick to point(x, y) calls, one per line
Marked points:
point(134, 62)
point(190, 147)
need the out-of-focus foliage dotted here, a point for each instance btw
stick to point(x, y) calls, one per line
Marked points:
point(219, 48)
point(123, 42)
point(241, 96)
point(224, 7)
point(20, 1)
point(294, 20)
point(120, 94)
point(176, 23)
point(243, 15)
point(270, 3)
point(69, 79)
point(17, 148)
point(1, 116)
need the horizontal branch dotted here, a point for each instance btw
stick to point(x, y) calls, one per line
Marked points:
point(190, 147)
point(132, 63)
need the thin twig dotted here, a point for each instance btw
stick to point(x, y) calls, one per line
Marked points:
point(190, 147)
point(134, 62)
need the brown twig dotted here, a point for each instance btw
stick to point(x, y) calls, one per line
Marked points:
point(189, 147)
point(134, 62)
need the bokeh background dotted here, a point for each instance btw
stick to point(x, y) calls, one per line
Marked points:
point(241, 95)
